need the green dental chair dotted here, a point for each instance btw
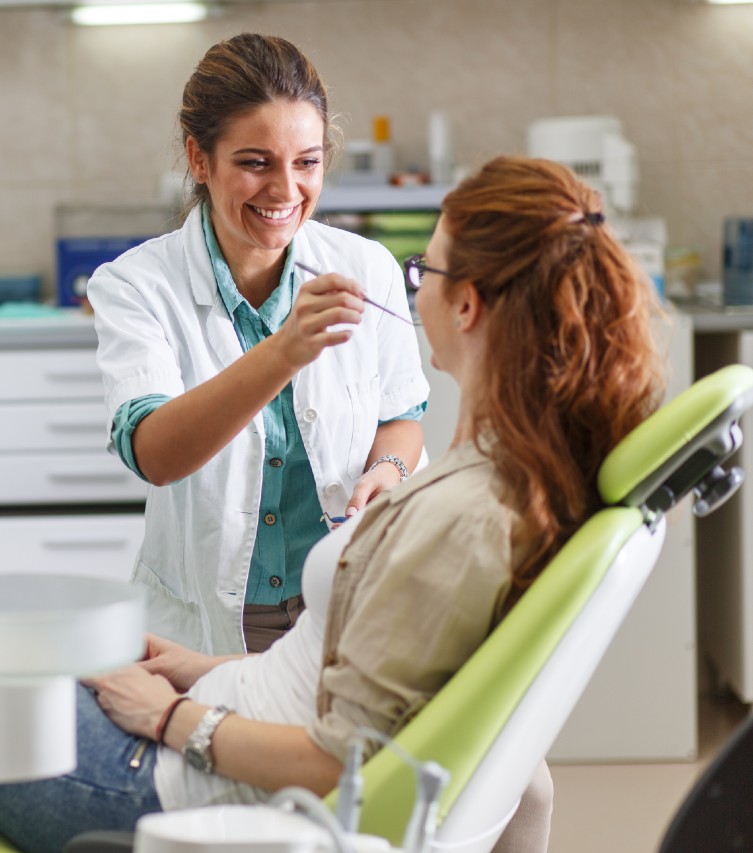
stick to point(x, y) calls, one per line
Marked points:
point(495, 720)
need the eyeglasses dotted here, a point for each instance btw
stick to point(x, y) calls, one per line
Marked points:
point(415, 267)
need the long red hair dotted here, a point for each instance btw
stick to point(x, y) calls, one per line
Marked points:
point(571, 363)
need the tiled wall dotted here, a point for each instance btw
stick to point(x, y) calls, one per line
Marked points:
point(87, 115)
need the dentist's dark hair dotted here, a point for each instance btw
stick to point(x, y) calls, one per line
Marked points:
point(571, 361)
point(240, 74)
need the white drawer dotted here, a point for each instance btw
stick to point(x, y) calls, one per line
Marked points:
point(63, 478)
point(98, 545)
point(56, 374)
point(52, 426)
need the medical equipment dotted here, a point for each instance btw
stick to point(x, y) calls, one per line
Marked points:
point(430, 780)
point(365, 298)
point(54, 628)
point(596, 150)
point(350, 790)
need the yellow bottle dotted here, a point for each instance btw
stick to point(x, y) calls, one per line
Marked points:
point(384, 155)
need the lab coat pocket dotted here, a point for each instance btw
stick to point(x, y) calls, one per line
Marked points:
point(167, 614)
point(364, 402)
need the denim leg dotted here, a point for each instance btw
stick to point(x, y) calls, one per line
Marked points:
point(103, 792)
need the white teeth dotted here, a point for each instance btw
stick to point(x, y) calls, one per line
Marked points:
point(274, 214)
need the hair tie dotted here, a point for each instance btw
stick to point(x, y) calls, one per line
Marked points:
point(595, 217)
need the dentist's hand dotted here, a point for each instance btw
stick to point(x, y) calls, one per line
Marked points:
point(370, 484)
point(323, 302)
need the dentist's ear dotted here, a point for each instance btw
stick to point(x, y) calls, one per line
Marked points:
point(197, 160)
point(469, 306)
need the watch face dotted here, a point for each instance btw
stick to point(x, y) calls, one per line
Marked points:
point(197, 758)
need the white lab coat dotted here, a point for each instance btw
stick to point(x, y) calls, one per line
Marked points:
point(163, 328)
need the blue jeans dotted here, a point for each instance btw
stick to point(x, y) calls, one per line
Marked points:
point(103, 792)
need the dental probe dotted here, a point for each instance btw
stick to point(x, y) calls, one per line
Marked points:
point(365, 298)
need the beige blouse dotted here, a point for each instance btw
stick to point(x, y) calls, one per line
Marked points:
point(419, 588)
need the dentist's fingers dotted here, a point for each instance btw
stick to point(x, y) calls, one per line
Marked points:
point(324, 314)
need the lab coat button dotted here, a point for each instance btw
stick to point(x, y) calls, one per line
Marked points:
point(275, 581)
point(341, 564)
point(331, 489)
point(276, 463)
point(330, 659)
point(270, 518)
point(310, 415)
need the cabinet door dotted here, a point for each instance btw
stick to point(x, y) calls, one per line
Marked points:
point(641, 704)
point(52, 426)
point(725, 545)
point(90, 545)
point(66, 478)
point(66, 374)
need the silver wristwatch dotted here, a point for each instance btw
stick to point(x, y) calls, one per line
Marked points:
point(196, 748)
point(396, 461)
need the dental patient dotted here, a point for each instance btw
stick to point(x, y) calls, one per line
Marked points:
point(544, 322)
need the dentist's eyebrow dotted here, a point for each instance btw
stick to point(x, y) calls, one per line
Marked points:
point(267, 151)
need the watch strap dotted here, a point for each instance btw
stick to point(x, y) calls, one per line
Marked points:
point(396, 461)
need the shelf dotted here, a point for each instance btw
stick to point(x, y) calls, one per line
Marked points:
point(367, 197)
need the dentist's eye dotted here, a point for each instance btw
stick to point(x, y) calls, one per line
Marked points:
point(253, 164)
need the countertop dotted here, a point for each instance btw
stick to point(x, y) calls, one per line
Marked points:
point(709, 317)
point(71, 327)
point(63, 327)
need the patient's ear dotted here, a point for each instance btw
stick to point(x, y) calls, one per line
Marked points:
point(469, 306)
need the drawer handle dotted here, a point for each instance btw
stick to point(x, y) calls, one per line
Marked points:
point(89, 478)
point(74, 427)
point(73, 376)
point(81, 544)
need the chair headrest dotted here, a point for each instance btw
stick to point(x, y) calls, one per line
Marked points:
point(675, 448)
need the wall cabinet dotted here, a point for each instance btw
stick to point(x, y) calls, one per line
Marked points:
point(102, 545)
point(725, 545)
point(66, 505)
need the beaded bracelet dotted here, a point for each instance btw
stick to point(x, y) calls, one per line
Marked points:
point(159, 734)
point(396, 461)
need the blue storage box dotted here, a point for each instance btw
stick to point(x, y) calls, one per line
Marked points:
point(78, 257)
point(20, 287)
point(89, 235)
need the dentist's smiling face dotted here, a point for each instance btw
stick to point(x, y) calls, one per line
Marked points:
point(264, 176)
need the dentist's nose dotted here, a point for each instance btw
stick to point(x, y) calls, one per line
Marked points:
point(282, 184)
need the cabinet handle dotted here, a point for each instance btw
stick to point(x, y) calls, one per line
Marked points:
point(73, 376)
point(74, 427)
point(75, 477)
point(84, 544)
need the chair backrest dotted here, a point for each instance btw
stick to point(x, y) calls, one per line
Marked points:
point(496, 718)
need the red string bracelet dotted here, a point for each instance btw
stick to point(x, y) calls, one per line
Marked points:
point(159, 734)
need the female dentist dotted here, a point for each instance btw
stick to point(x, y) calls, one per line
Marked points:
point(255, 399)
